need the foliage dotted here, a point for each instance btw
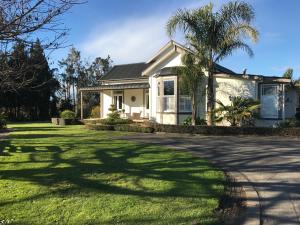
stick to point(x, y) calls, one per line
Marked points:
point(199, 121)
point(239, 113)
point(95, 113)
point(111, 121)
point(191, 78)
point(215, 34)
point(114, 113)
point(77, 74)
point(92, 176)
point(67, 114)
point(24, 21)
point(288, 73)
point(3, 122)
point(31, 101)
point(289, 123)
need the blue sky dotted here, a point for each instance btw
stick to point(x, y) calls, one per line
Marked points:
point(133, 30)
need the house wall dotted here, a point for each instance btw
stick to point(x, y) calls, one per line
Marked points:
point(229, 87)
point(232, 87)
point(138, 105)
point(106, 102)
point(291, 103)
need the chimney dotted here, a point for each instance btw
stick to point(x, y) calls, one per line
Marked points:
point(245, 71)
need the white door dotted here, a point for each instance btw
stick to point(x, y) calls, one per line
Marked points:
point(118, 101)
point(269, 101)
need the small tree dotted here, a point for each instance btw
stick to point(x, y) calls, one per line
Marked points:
point(288, 73)
point(191, 76)
point(240, 112)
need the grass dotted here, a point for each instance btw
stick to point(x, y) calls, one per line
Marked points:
point(69, 175)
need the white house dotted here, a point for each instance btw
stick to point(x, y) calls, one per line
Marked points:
point(150, 90)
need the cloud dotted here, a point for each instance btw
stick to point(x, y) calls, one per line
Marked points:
point(130, 41)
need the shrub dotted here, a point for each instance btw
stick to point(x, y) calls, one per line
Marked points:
point(67, 114)
point(110, 121)
point(130, 128)
point(199, 121)
point(239, 113)
point(95, 113)
point(2, 121)
point(114, 114)
point(288, 123)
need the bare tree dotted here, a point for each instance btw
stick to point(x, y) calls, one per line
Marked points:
point(25, 21)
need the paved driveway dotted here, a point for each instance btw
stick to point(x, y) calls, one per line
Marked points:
point(270, 164)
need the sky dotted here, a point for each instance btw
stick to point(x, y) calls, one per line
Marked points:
point(133, 30)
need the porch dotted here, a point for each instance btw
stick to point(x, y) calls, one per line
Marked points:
point(130, 99)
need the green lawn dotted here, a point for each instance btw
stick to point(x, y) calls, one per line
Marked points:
point(69, 175)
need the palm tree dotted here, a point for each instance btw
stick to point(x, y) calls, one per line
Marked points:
point(191, 76)
point(218, 32)
point(239, 112)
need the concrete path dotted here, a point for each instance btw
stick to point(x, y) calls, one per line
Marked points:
point(269, 168)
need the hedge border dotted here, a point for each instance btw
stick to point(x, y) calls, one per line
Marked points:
point(120, 127)
point(204, 130)
point(223, 130)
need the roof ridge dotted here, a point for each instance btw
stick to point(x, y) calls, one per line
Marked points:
point(126, 64)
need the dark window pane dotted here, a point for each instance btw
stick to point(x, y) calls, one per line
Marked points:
point(169, 87)
point(120, 102)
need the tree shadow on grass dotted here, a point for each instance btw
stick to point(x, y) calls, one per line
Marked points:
point(98, 166)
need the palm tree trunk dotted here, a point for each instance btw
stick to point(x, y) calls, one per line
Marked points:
point(210, 94)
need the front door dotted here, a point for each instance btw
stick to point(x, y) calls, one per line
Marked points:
point(118, 101)
point(269, 101)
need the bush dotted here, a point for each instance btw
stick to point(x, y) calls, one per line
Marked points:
point(199, 121)
point(121, 127)
point(130, 128)
point(110, 121)
point(2, 121)
point(95, 113)
point(289, 123)
point(67, 114)
point(114, 114)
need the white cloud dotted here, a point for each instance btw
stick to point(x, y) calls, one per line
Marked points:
point(134, 40)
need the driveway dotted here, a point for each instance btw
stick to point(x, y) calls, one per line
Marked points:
point(270, 165)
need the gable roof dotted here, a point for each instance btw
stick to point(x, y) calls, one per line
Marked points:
point(138, 70)
point(125, 71)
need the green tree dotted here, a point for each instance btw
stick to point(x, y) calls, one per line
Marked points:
point(191, 76)
point(219, 33)
point(240, 112)
point(72, 66)
point(288, 73)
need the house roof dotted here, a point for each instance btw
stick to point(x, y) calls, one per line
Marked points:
point(140, 85)
point(126, 71)
point(264, 79)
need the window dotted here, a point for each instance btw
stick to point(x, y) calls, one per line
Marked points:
point(118, 101)
point(169, 104)
point(169, 87)
point(185, 103)
point(158, 89)
point(269, 101)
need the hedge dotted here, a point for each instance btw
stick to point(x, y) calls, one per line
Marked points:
point(205, 130)
point(223, 130)
point(121, 127)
